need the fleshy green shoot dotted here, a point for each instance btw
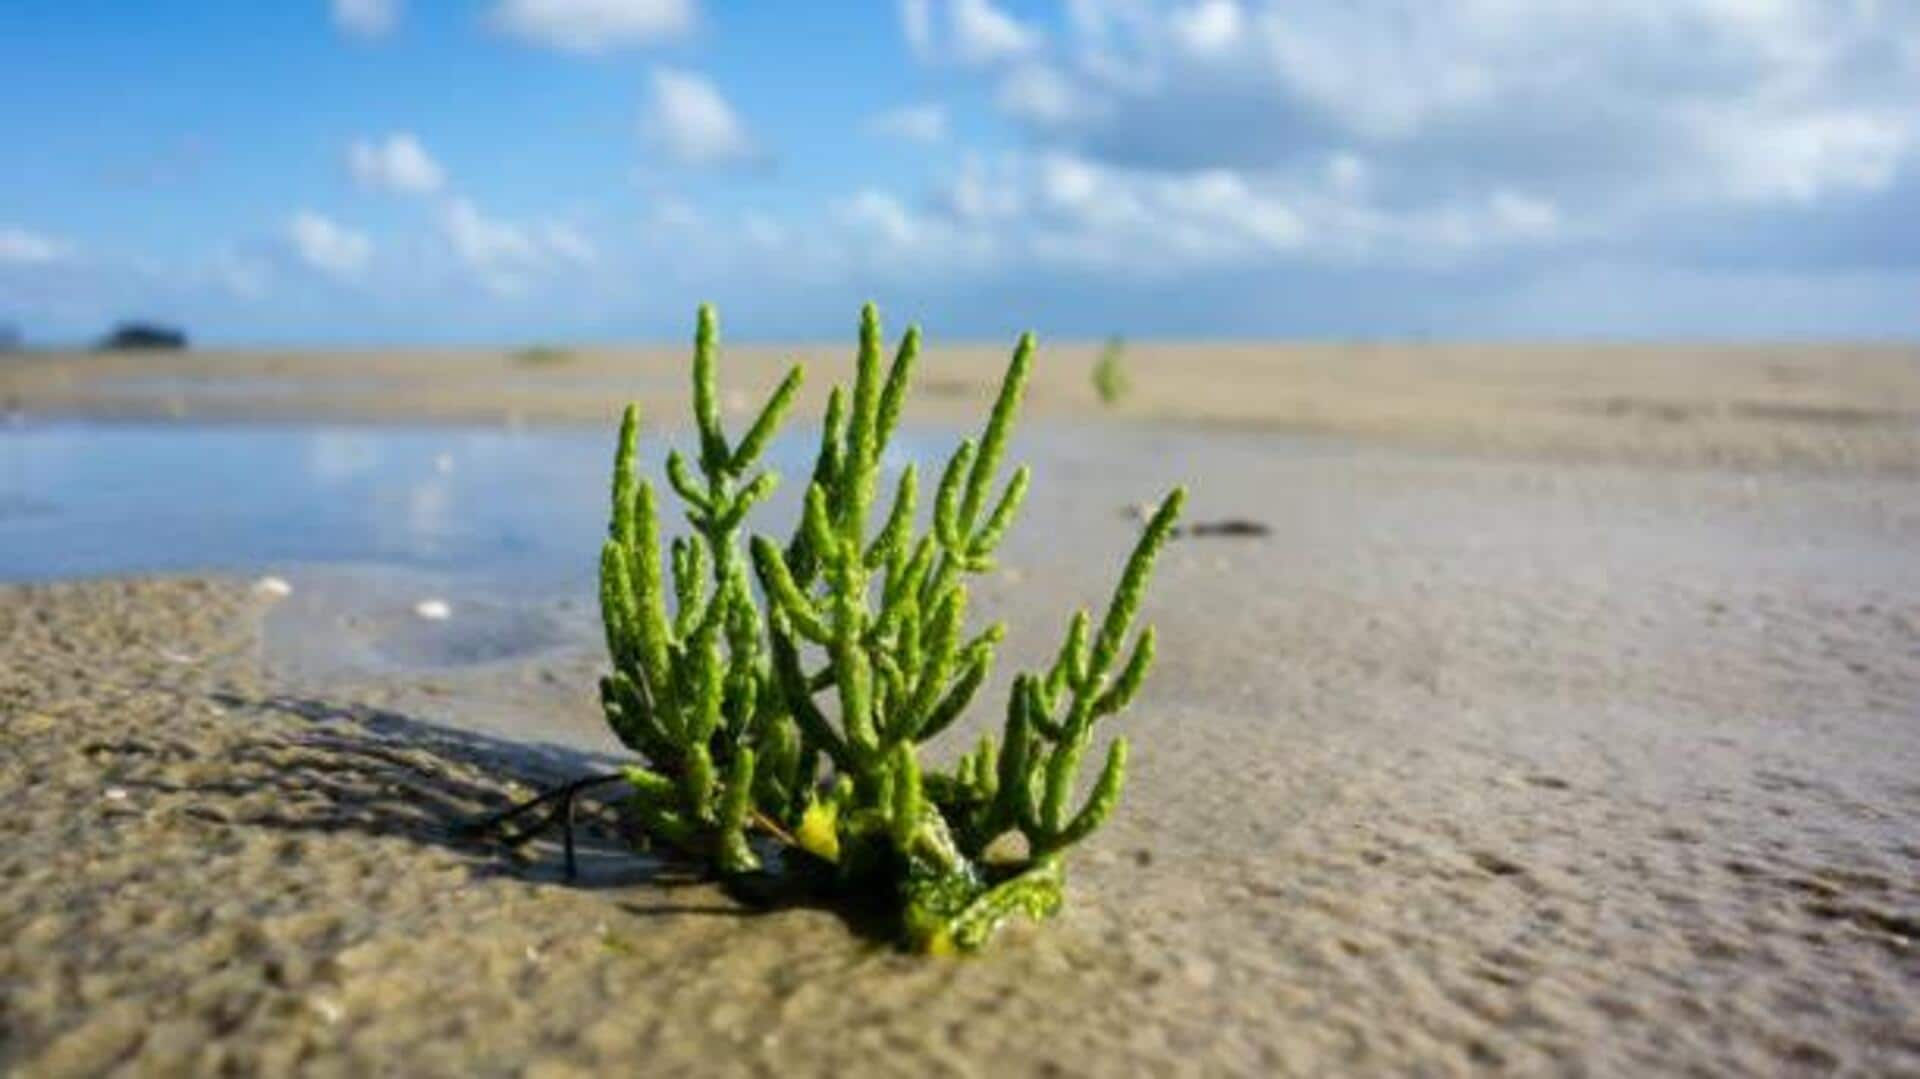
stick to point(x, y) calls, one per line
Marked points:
point(787, 740)
point(1110, 380)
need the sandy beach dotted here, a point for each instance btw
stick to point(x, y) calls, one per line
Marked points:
point(1841, 406)
point(1566, 722)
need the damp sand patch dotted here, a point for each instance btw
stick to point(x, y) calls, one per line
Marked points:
point(1564, 767)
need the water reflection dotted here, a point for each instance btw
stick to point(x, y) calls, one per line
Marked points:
point(516, 507)
point(91, 499)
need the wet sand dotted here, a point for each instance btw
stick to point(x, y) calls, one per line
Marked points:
point(1526, 757)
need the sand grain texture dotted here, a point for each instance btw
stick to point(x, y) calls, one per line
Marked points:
point(1540, 760)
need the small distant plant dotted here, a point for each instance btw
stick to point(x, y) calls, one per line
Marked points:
point(542, 356)
point(784, 746)
point(1109, 377)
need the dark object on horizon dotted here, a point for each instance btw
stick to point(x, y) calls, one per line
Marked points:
point(144, 335)
point(9, 337)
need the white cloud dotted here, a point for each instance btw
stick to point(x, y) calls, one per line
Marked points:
point(1198, 157)
point(983, 33)
point(505, 256)
point(1371, 74)
point(912, 123)
point(1802, 159)
point(1209, 28)
point(883, 235)
point(1071, 212)
point(1614, 113)
point(1094, 215)
point(1038, 94)
point(594, 26)
point(366, 18)
point(328, 246)
point(22, 247)
point(1518, 215)
point(482, 241)
point(569, 243)
point(916, 23)
point(982, 194)
point(1348, 174)
point(397, 163)
point(693, 124)
point(972, 32)
point(883, 213)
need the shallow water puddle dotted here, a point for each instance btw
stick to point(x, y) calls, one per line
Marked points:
point(406, 548)
point(511, 507)
point(387, 547)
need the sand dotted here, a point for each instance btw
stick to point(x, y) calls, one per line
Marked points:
point(1812, 405)
point(1575, 755)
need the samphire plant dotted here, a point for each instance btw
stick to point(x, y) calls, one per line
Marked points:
point(1110, 379)
point(781, 726)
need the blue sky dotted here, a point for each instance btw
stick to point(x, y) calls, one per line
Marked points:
point(370, 171)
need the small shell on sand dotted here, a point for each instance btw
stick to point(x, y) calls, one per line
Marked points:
point(435, 610)
point(272, 587)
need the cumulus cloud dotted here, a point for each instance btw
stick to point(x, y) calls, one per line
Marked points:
point(397, 163)
point(916, 22)
point(328, 246)
point(1075, 213)
point(891, 238)
point(1518, 215)
point(969, 32)
point(482, 241)
point(594, 26)
point(506, 256)
point(568, 244)
point(1039, 95)
point(912, 123)
point(689, 120)
point(1805, 157)
point(1468, 126)
point(22, 247)
point(983, 33)
point(1210, 28)
point(1377, 165)
point(366, 18)
point(883, 213)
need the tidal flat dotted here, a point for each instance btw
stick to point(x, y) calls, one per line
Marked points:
point(1564, 720)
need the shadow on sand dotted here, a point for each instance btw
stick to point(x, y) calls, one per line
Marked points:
point(372, 771)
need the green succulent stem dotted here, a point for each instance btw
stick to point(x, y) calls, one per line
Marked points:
point(794, 715)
